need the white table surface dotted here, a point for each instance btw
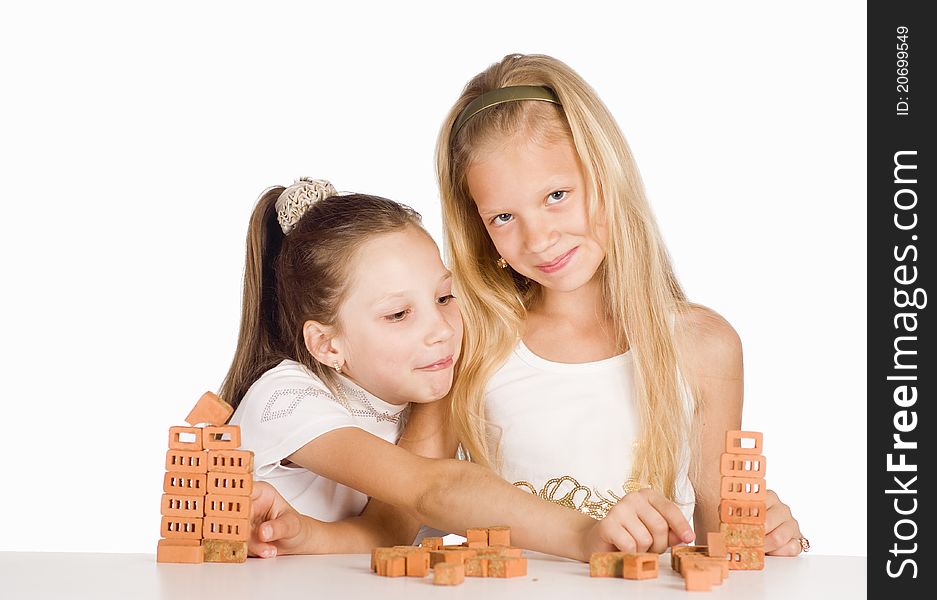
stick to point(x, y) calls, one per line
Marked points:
point(140, 577)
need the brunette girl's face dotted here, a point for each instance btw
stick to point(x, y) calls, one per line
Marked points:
point(400, 328)
point(532, 197)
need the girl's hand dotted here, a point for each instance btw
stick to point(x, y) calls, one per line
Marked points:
point(782, 532)
point(276, 527)
point(642, 521)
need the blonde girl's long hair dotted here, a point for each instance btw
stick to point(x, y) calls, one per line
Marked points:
point(642, 292)
point(290, 279)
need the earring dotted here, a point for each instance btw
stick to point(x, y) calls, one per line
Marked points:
point(502, 263)
point(337, 367)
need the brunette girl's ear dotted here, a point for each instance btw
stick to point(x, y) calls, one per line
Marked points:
point(318, 339)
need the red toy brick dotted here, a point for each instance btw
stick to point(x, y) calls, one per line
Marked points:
point(639, 566)
point(717, 545)
point(232, 507)
point(222, 528)
point(225, 437)
point(210, 409)
point(742, 465)
point(179, 505)
point(184, 484)
point(742, 511)
point(185, 438)
point(736, 439)
point(187, 461)
point(230, 484)
point(230, 461)
point(499, 536)
point(179, 551)
point(743, 488)
point(745, 559)
point(189, 528)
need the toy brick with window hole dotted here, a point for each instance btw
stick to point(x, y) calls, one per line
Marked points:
point(184, 484)
point(187, 461)
point(639, 566)
point(185, 438)
point(744, 442)
point(232, 507)
point(743, 488)
point(223, 528)
point(230, 484)
point(178, 505)
point(229, 461)
point(224, 437)
point(742, 511)
point(185, 528)
point(745, 559)
point(742, 465)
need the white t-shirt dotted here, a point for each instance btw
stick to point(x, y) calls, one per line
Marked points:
point(288, 407)
point(568, 430)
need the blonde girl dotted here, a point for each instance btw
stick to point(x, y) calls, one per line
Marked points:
point(586, 372)
point(348, 319)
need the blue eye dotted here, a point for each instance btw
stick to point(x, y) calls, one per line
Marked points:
point(557, 196)
point(497, 220)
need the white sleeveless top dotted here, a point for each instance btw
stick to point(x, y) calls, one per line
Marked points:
point(568, 431)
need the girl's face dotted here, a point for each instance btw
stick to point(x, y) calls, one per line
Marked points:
point(532, 199)
point(401, 331)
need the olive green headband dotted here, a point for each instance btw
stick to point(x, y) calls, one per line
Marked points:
point(500, 96)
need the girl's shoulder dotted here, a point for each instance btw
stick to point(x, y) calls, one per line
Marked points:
point(708, 345)
point(287, 374)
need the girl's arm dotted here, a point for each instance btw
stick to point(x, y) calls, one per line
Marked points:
point(380, 524)
point(712, 355)
point(454, 496)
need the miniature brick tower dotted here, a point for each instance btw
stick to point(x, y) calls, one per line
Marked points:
point(742, 504)
point(207, 486)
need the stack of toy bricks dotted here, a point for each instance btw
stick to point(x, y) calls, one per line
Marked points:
point(208, 483)
point(487, 552)
point(742, 503)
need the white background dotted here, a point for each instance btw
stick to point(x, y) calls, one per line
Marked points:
point(134, 142)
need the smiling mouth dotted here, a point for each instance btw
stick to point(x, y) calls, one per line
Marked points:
point(442, 363)
point(558, 262)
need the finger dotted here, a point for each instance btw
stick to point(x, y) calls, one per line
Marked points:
point(791, 548)
point(673, 539)
point(675, 519)
point(657, 528)
point(284, 527)
point(638, 531)
point(781, 535)
point(771, 498)
point(776, 515)
point(261, 549)
point(621, 539)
